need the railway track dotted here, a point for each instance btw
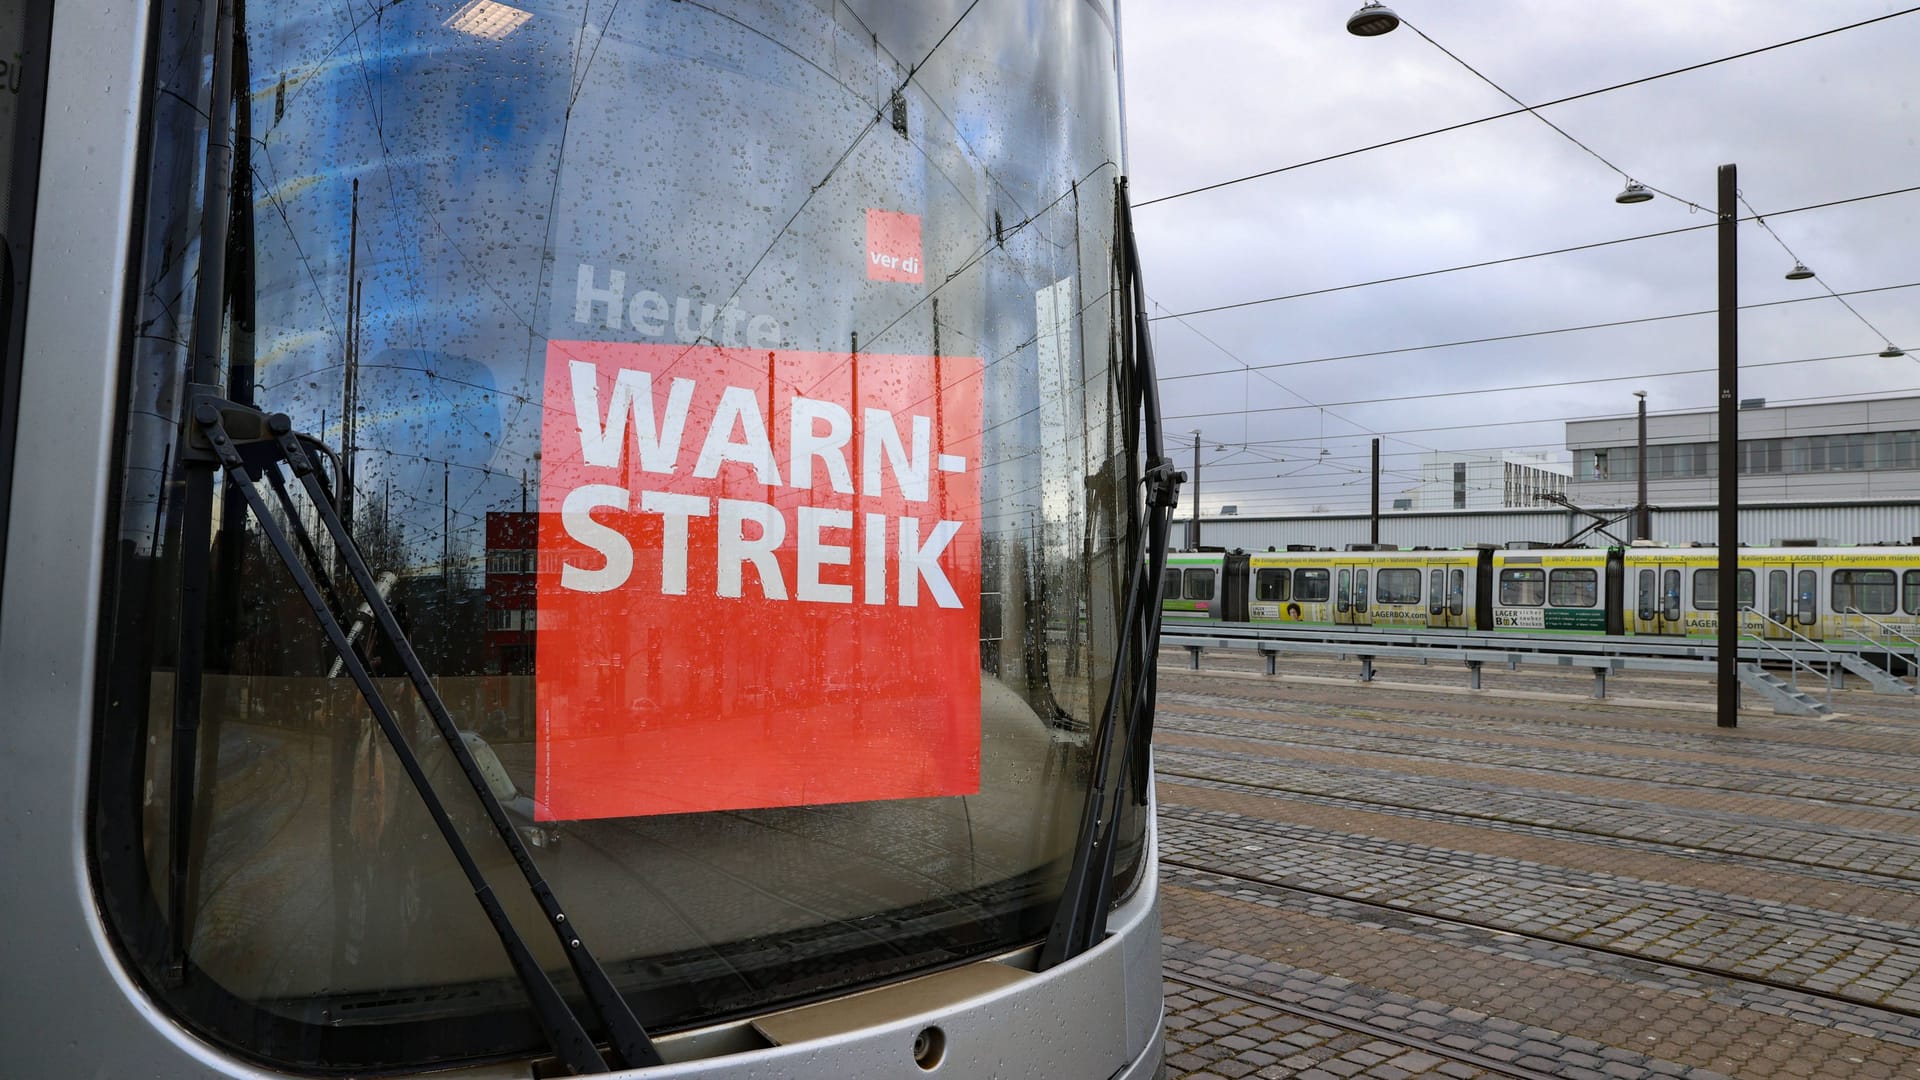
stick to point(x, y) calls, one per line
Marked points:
point(1558, 941)
point(1486, 1066)
point(1585, 880)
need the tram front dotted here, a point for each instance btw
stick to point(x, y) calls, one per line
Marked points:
point(735, 411)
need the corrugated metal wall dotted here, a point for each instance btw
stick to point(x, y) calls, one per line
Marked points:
point(1760, 526)
point(1831, 524)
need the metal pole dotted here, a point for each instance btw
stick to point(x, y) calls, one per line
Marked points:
point(350, 364)
point(1727, 708)
point(1642, 513)
point(1196, 492)
point(1375, 518)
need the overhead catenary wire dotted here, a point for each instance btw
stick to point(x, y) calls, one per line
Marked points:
point(1531, 255)
point(1800, 264)
point(1249, 368)
point(1516, 112)
point(1520, 387)
point(1691, 204)
point(1518, 336)
point(1535, 113)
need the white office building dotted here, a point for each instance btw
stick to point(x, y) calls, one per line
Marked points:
point(1509, 479)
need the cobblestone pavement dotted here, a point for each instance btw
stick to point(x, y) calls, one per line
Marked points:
point(1408, 879)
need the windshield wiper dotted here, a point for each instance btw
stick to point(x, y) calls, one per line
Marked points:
point(248, 445)
point(1080, 922)
point(244, 445)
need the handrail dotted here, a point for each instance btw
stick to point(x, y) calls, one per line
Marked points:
point(1791, 658)
point(1913, 666)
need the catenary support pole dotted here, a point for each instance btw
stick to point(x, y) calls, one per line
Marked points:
point(1194, 533)
point(1642, 513)
point(1727, 706)
point(1374, 517)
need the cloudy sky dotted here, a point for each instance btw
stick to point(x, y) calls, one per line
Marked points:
point(1224, 89)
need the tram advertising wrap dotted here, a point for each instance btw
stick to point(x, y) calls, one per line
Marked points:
point(829, 502)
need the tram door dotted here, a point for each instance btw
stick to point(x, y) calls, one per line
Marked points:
point(1657, 589)
point(1447, 596)
point(1793, 600)
point(1352, 595)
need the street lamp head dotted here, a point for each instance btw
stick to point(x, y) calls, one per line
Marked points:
point(1634, 192)
point(1893, 351)
point(1799, 272)
point(1641, 394)
point(1372, 20)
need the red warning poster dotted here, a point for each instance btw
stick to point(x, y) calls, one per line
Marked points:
point(759, 579)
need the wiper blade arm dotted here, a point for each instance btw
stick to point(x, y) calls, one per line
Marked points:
point(1081, 919)
point(258, 444)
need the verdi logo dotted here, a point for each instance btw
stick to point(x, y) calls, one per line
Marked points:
point(893, 246)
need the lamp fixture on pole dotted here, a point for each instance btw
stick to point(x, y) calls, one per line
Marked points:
point(1634, 192)
point(1372, 20)
point(1799, 272)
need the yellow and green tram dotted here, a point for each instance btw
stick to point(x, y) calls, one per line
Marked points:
point(1846, 595)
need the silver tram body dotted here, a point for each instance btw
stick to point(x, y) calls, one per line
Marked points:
point(434, 209)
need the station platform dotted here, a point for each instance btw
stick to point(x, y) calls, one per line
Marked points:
point(1406, 879)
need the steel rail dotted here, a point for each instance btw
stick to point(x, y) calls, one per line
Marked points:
point(1553, 939)
point(1360, 1027)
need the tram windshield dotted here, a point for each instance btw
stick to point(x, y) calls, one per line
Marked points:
point(723, 393)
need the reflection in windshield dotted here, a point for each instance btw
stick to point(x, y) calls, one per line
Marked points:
point(726, 389)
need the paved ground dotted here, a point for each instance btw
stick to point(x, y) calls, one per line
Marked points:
point(1407, 879)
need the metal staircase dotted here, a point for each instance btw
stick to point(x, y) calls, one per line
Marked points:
point(1876, 677)
point(1903, 650)
point(1785, 697)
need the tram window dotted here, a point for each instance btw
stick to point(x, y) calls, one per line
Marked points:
point(1199, 584)
point(1344, 598)
point(1400, 586)
point(1910, 592)
point(1360, 590)
point(1777, 595)
point(1523, 588)
point(1670, 594)
point(1706, 590)
point(1870, 592)
point(1573, 588)
point(1808, 587)
point(1436, 591)
point(1457, 593)
point(1271, 584)
point(1310, 585)
point(1644, 608)
point(1170, 585)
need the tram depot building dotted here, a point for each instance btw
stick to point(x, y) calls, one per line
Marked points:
point(1827, 452)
